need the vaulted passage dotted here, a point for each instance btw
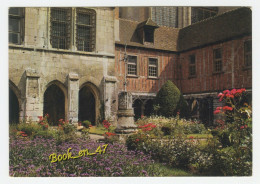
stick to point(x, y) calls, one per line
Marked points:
point(54, 104)
point(138, 108)
point(87, 105)
point(148, 108)
point(13, 107)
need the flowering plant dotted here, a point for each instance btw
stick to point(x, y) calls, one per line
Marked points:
point(43, 121)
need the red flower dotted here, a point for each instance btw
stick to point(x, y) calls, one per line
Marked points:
point(226, 92)
point(220, 94)
point(245, 126)
point(227, 108)
point(243, 89)
point(61, 120)
point(110, 134)
point(21, 132)
point(242, 127)
point(221, 98)
point(218, 108)
point(47, 115)
point(24, 135)
point(216, 111)
point(233, 91)
point(191, 137)
point(137, 140)
point(40, 118)
point(230, 96)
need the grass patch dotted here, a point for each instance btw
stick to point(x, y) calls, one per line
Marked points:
point(100, 130)
point(168, 171)
point(200, 136)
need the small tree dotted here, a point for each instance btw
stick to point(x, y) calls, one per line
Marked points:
point(167, 98)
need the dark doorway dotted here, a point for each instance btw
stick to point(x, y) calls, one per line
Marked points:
point(54, 104)
point(137, 108)
point(87, 105)
point(206, 111)
point(13, 108)
point(148, 108)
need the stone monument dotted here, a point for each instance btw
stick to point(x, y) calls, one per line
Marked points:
point(125, 113)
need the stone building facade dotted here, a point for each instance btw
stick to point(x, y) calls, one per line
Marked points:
point(61, 62)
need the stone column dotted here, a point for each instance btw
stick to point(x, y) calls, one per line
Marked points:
point(33, 106)
point(73, 97)
point(110, 99)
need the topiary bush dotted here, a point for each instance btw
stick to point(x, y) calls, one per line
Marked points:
point(167, 98)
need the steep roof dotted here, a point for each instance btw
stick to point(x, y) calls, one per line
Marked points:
point(219, 28)
point(165, 38)
point(216, 29)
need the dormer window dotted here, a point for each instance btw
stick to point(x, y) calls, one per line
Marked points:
point(145, 31)
point(148, 35)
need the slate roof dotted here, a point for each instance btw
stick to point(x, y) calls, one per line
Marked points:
point(165, 38)
point(219, 28)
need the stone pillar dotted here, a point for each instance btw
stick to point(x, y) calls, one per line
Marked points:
point(73, 97)
point(110, 99)
point(33, 106)
point(125, 122)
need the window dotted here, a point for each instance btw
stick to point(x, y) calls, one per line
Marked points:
point(16, 24)
point(192, 65)
point(60, 28)
point(153, 67)
point(217, 59)
point(86, 20)
point(148, 35)
point(248, 53)
point(132, 65)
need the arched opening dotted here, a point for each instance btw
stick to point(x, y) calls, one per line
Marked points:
point(206, 110)
point(148, 108)
point(87, 105)
point(13, 108)
point(138, 108)
point(54, 104)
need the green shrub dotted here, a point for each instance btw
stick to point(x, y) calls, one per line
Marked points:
point(86, 123)
point(68, 128)
point(29, 128)
point(167, 98)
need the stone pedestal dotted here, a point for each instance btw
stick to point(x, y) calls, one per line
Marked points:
point(125, 121)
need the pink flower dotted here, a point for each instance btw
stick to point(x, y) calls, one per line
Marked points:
point(227, 108)
point(216, 111)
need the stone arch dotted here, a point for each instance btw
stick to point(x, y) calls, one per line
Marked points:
point(148, 107)
point(14, 103)
point(89, 102)
point(55, 101)
point(138, 108)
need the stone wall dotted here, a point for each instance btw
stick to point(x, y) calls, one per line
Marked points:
point(34, 66)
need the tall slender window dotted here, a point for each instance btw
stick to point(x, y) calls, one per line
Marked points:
point(132, 65)
point(16, 24)
point(153, 67)
point(60, 28)
point(248, 53)
point(217, 59)
point(192, 65)
point(86, 20)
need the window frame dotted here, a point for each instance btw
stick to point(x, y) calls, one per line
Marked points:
point(136, 65)
point(68, 28)
point(247, 53)
point(215, 60)
point(192, 66)
point(157, 68)
point(21, 21)
point(92, 26)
